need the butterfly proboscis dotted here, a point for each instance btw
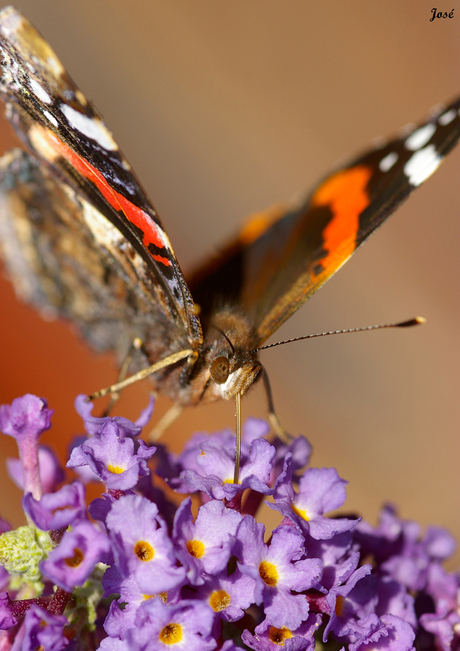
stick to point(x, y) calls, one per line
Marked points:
point(220, 372)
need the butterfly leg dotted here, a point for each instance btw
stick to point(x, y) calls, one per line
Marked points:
point(132, 379)
point(272, 417)
point(165, 421)
point(135, 346)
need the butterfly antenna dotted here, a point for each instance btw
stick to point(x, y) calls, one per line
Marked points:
point(238, 438)
point(418, 320)
point(225, 337)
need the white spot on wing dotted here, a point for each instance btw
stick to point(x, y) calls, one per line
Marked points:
point(421, 165)
point(41, 143)
point(90, 127)
point(50, 118)
point(446, 118)
point(164, 238)
point(420, 137)
point(80, 97)
point(39, 92)
point(388, 162)
point(109, 237)
point(55, 65)
point(104, 232)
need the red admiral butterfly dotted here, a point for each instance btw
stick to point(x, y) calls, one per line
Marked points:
point(86, 242)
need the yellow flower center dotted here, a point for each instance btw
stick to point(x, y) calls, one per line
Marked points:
point(302, 513)
point(339, 605)
point(60, 509)
point(195, 548)
point(219, 600)
point(268, 573)
point(171, 634)
point(144, 550)
point(163, 596)
point(279, 635)
point(115, 470)
point(76, 559)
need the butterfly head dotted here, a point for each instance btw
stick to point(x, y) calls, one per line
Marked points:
point(230, 376)
point(227, 366)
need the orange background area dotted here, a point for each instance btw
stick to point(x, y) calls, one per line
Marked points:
point(224, 108)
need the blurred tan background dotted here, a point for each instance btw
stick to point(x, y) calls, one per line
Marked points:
point(224, 108)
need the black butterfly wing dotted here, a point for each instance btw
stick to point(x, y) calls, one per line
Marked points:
point(66, 259)
point(283, 256)
point(57, 123)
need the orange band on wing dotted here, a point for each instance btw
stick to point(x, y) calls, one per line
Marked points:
point(137, 216)
point(257, 223)
point(346, 196)
point(160, 258)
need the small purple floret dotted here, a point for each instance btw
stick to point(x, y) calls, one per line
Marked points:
point(72, 561)
point(44, 630)
point(7, 616)
point(320, 490)
point(57, 510)
point(279, 571)
point(51, 471)
point(217, 467)
point(117, 460)
point(190, 622)
point(94, 424)
point(141, 545)
point(212, 532)
point(26, 419)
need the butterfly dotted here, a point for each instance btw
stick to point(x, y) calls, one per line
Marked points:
point(81, 239)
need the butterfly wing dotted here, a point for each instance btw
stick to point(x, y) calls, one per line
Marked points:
point(50, 240)
point(56, 121)
point(284, 255)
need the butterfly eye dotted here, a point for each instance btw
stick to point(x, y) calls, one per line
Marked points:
point(220, 368)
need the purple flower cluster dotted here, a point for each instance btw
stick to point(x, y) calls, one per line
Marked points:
point(132, 572)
